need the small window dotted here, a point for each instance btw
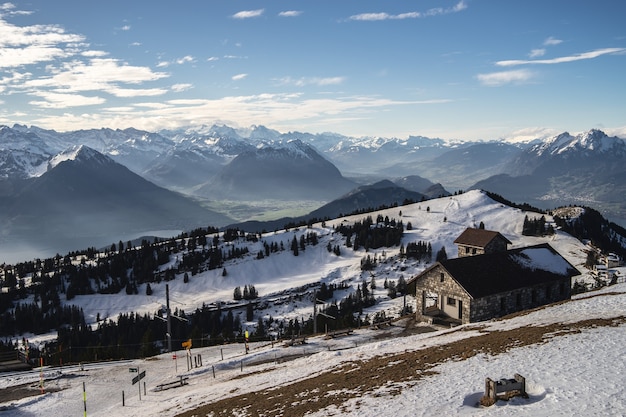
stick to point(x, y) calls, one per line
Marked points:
point(451, 301)
point(473, 251)
point(441, 277)
point(467, 249)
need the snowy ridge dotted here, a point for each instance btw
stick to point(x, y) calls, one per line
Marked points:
point(592, 141)
point(79, 153)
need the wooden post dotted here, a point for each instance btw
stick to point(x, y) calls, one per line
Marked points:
point(490, 389)
point(522, 381)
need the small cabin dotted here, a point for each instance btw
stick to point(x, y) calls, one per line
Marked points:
point(480, 241)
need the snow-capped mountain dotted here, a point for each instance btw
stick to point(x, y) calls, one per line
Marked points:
point(591, 141)
point(223, 162)
point(85, 198)
point(589, 169)
point(290, 170)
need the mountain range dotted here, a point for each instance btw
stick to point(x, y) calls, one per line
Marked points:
point(135, 181)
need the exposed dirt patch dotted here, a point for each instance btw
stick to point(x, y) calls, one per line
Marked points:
point(18, 392)
point(391, 372)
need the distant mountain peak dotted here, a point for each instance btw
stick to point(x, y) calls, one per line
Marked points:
point(79, 153)
point(593, 140)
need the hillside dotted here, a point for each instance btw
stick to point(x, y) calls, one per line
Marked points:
point(369, 372)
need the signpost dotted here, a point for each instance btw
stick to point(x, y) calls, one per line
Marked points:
point(140, 375)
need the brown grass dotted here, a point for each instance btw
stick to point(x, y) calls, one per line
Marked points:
point(392, 372)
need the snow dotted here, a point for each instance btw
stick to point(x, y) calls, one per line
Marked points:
point(581, 373)
point(542, 259)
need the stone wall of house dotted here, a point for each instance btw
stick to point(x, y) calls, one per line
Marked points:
point(496, 245)
point(437, 280)
point(499, 305)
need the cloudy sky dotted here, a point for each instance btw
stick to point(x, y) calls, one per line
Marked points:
point(466, 69)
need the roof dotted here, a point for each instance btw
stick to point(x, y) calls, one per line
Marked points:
point(500, 272)
point(478, 237)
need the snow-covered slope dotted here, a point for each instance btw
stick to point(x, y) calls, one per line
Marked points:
point(439, 222)
point(579, 349)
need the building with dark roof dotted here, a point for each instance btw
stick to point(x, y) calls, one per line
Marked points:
point(476, 288)
point(480, 241)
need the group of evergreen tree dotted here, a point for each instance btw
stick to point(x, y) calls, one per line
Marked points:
point(421, 251)
point(536, 227)
point(248, 293)
point(591, 225)
point(370, 235)
point(297, 245)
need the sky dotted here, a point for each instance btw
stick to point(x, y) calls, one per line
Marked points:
point(453, 69)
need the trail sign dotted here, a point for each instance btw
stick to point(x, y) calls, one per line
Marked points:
point(131, 370)
point(139, 377)
point(187, 344)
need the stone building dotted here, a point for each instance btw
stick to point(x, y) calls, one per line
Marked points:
point(480, 241)
point(476, 288)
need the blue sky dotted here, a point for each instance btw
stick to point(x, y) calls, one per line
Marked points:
point(454, 69)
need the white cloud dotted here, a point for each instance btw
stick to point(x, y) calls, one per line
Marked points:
point(94, 54)
point(536, 53)
point(19, 57)
point(181, 87)
point(110, 76)
point(461, 5)
point(63, 100)
point(496, 79)
point(239, 77)
point(247, 14)
point(125, 27)
point(212, 58)
point(570, 58)
point(551, 41)
point(319, 81)
point(9, 9)
point(271, 109)
point(530, 133)
point(290, 13)
point(186, 59)
point(135, 92)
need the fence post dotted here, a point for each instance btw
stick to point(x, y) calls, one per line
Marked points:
point(84, 399)
point(123, 402)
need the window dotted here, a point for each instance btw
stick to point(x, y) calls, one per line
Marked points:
point(467, 249)
point(451, 301)
point(441, 276)
point(473, 251)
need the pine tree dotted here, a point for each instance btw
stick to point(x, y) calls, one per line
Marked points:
point(294, 246)
point(441, 254)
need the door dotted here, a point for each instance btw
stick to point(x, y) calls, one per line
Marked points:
point(460, 309)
